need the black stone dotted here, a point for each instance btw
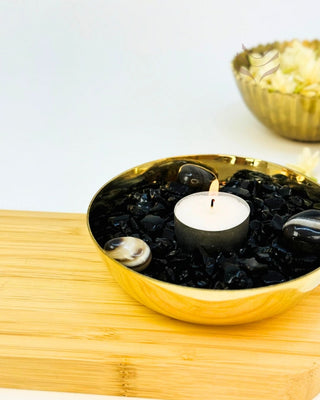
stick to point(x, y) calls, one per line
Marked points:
point(258, 203)
point(177, 188)
point(234, 277)
point(268, 187)
point(195, 177)
point(119, 220)
point(274, 203)
point(273, 277)
point(277, 222)
point(264, 254)
point(303, 230)
point(238, 191)
point(158, 209)
point(296, 200)
point(152, 223)
point(253, 266)
point(285, 191)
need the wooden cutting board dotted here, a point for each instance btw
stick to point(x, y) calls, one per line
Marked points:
point(65, 325)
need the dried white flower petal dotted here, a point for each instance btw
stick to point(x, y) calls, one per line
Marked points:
point(299, 70)
point(307, 162)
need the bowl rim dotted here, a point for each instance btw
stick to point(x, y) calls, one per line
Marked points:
point(252, 82)
point(222, 293)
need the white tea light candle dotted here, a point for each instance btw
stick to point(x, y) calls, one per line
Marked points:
point(212, 222)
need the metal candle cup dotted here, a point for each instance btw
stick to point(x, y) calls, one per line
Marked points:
point(222, 225)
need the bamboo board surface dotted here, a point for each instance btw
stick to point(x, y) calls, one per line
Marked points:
point(65, 325)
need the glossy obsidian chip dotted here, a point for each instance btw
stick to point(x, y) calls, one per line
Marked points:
point(143, 208)
point(152, 223)
point(239, 191)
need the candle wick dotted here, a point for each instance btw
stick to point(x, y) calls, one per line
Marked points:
point(212, 202)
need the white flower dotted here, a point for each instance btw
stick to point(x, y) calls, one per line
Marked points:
point(282, 82)
point(299, 70)
point(311, 90)
point(290, 59)
point(263, 65)
point(309, 72)
point(307, 162)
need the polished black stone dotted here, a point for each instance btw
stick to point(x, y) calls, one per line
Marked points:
point(195, 177)
point(303, 230)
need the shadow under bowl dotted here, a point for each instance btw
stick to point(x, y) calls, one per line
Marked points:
point(203, 306)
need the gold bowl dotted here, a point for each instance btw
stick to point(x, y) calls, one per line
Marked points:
point(205, 306)
point(293, 116)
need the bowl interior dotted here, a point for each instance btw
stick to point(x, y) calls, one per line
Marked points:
point(166, 170)
point(205, 306)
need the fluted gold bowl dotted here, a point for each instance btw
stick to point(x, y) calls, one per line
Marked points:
point(293, 116)
point(205, 306)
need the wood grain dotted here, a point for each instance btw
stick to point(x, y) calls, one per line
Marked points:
point(66, 325)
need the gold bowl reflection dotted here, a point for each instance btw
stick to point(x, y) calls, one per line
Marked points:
point(293, 116)
point(206, 306)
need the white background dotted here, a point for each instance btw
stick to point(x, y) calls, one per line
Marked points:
point(89, 89)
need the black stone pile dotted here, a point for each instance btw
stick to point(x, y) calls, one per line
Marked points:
point(143, 208)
